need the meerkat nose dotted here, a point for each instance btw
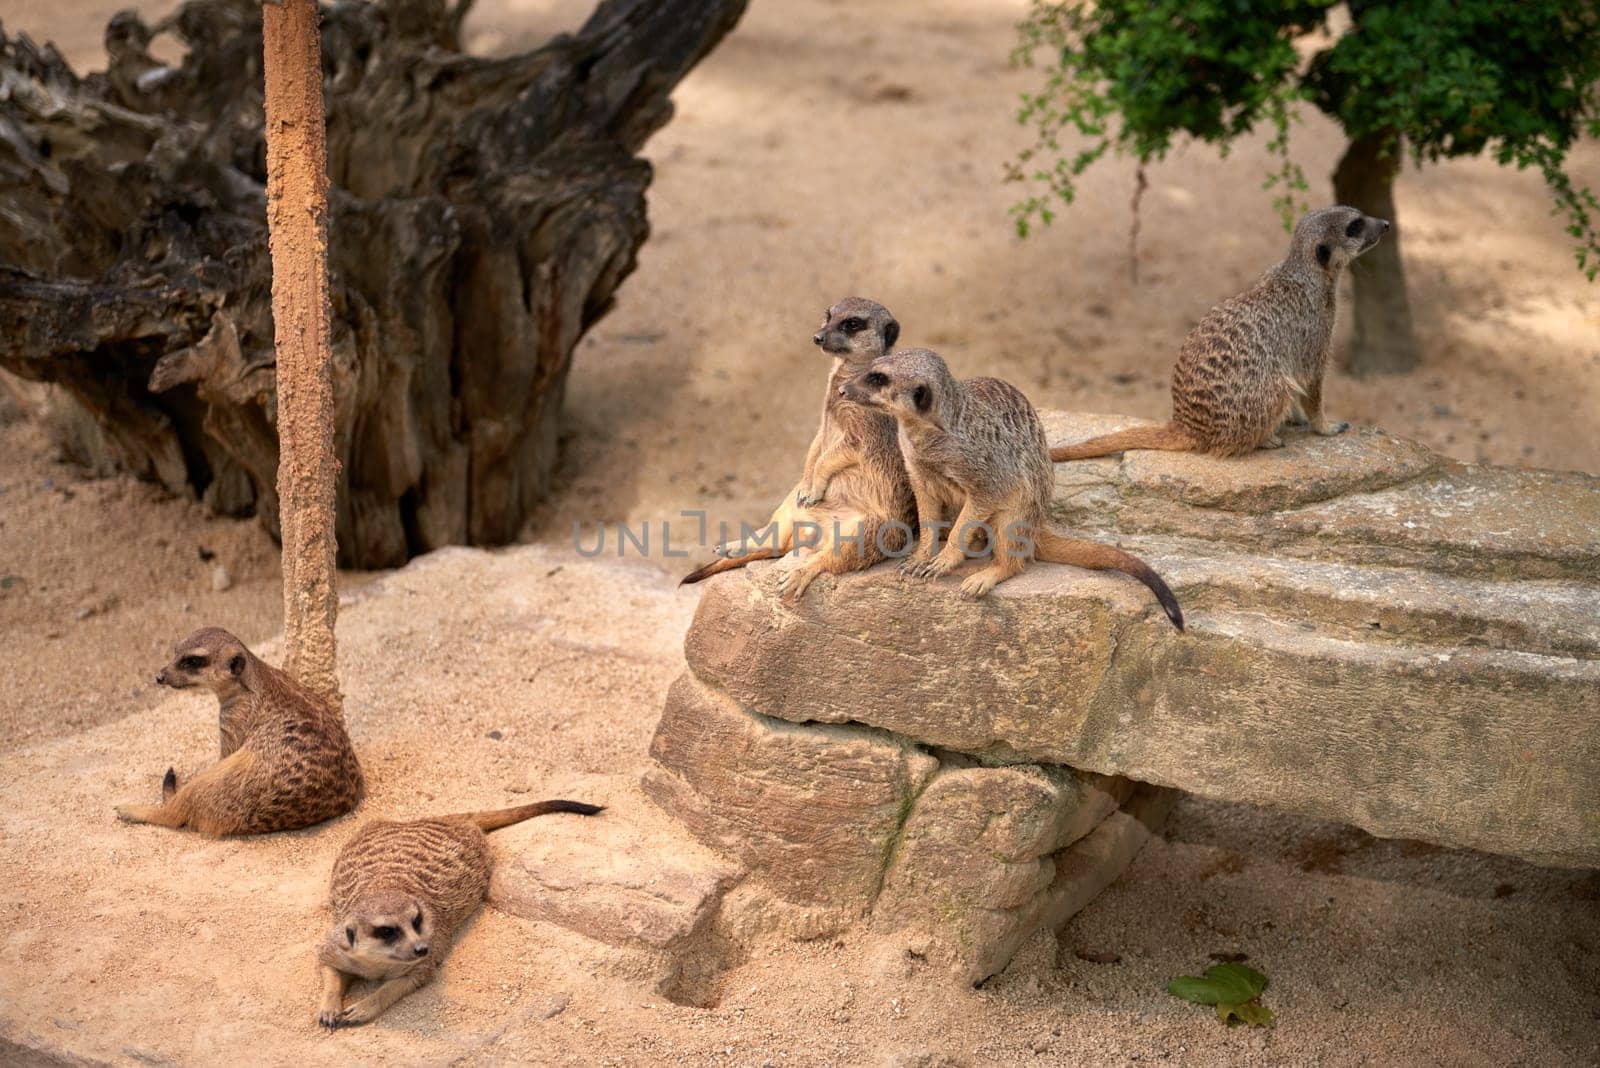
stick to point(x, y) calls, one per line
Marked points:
point(816, 339)
point(161, 678)
point(421, 950)
point(1387, 225)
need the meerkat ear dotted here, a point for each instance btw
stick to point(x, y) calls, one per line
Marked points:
point(350, 937)
point(236, 665)
point(1324, 254)
point(891, 334)
point(922, 398)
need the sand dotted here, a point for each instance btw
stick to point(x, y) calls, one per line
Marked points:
point(820, 152)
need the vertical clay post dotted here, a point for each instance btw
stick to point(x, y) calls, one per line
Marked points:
point(297, 218)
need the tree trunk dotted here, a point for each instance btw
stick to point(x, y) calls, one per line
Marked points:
point(481, 217)
point(1384, 341)
point(297, 221)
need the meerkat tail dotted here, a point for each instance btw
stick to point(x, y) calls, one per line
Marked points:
point(716, 567)
point(1056, 549)
point(494, 819)
point(169, 785)
point(1169, 437)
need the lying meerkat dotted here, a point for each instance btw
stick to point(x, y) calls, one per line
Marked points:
point(286, 761)
point(977, 449)
point(853, 502)
point(399, 893)
point(1259, 357)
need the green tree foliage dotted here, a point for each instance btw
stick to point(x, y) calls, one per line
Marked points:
point(1435, 78)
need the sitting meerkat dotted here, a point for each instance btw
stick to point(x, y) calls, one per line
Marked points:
point(852, 505)
point(399, 893)
point(976, 449)
point(286, 761)
point(1259, 357)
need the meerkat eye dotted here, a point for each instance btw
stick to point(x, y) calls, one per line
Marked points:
point(877, 380)
point(853, 326)
point(1354, 228)
point(386, 933)
point(191, 663)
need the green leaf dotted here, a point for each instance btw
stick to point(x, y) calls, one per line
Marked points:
point(1223, 984)
point(1251, 1013)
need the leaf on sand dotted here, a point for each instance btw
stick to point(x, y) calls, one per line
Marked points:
point(1251, 1012)
point(1232, 988)
point(1223, 984)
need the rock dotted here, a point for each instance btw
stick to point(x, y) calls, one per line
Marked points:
point(220, 579)
point(1376, 635)
point(816, 807)
point(610, 879)
point(976, 869)
point(1417, 655)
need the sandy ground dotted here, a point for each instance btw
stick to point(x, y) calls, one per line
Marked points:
point(820, 153)
point(532, 672)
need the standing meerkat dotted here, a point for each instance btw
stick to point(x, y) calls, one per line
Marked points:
point(852, 505)
point(286, 761)
point(1260, 356)
point(399, 893)
point(977, 450)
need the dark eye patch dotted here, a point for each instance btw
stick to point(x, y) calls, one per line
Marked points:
point(853, 326)
point(191, 663)
point(1354, 228)
point(386, 933)
point(877, 380)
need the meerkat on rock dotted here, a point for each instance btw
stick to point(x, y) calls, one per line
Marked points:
point(399, 893)
point(1259, 357)
point(286, 761)
point(976, 451)
point(852, 506)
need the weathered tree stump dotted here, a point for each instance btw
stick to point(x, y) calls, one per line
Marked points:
point(483, 214)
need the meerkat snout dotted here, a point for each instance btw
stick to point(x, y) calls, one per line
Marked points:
point(816, 339)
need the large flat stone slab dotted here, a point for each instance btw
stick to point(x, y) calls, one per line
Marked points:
point(1376, 636)
point(1362, 497)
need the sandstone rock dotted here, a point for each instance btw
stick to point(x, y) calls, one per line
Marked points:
point(979, 865)
point(1418, 654)
point(609, 879)
point(1362, 497)
point(1376, 635)
point(816, 808)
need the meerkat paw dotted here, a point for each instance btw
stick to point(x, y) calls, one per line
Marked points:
point(354, 1016)
point(1328, 430)
point(329, 1018)
point(1274, 442)
point(793, 584)
point(942, 564)
point(979, 585)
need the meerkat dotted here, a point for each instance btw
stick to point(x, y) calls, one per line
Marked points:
point(285, 759)
point(977, 449)
point(1258, 358)
point(398, 894)
point(852, 506)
